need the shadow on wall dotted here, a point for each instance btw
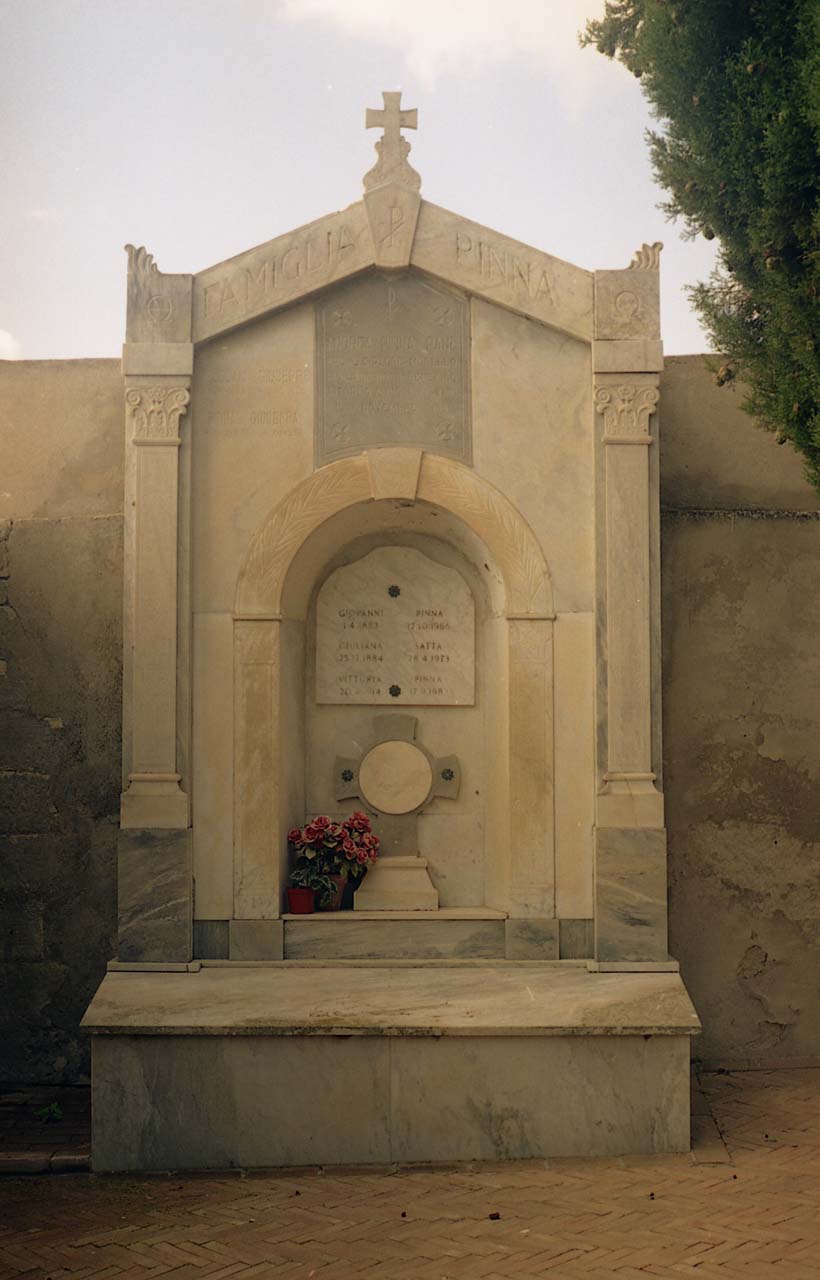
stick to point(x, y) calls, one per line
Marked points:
point(60, 693)
point(741, 613)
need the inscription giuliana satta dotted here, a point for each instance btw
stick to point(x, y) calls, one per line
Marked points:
point(392, 368)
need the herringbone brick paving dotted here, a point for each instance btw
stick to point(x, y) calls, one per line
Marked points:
point(744, 1204)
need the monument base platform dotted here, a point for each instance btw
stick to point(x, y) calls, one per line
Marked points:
point(297, 1065)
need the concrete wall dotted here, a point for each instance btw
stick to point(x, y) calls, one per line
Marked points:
point(60, 692)
point(741, 617)
point(741, 624)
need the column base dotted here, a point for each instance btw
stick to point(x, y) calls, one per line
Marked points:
point(397, 883)
point(629, 800)
point(155, 801)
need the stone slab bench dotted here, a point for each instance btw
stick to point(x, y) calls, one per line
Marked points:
point(296, 1065)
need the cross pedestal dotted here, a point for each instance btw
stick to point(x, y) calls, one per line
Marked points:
point(395, 778)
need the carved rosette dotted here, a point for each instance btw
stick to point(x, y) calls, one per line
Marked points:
point(156, 412)
point(626, 410)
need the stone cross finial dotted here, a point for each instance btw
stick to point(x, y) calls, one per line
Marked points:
point(392, 149)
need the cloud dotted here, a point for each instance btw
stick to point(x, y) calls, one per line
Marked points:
point(10, 348)
point(440, 36)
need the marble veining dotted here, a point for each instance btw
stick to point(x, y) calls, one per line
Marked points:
point(182, 1102)
point(383, 1001)
point(630, 894)
point(155, 898)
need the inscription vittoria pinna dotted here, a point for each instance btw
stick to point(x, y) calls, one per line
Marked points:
point(392, 368)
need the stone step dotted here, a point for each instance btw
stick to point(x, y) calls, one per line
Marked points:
point(447, 934)
point(293, 1065)
point(366, 936)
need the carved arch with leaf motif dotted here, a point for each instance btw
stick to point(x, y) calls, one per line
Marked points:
point(401, 474)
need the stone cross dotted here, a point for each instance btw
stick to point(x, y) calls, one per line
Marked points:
point(392, 148)
point(392, 119)
point(395, 778)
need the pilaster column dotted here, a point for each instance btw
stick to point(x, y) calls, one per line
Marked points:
point(154, 408)
point(626, 404)
point(630, 842)
point(155, 883)
point(157, 367)
point(260, 845)
point(531, 767)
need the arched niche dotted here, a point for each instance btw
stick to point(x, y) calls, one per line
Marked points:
point(402, 474)
point(394, 495)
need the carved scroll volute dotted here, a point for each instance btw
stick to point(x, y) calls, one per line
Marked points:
point(647, 258)
point(159, 304)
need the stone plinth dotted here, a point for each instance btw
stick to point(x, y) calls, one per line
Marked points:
point(257, 1067)
point(397, 883)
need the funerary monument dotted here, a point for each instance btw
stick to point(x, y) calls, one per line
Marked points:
point(392, 544)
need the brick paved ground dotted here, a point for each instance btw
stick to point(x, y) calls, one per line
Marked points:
point(747, 1205)
point(44, 1129)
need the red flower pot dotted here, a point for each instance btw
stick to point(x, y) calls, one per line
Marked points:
point(301, 902)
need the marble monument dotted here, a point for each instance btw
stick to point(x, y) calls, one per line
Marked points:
point(392, 543)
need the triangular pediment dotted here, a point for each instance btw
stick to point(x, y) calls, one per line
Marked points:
point(389, 230)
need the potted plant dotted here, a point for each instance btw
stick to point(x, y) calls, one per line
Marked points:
point(330, 855)
point(301, 891)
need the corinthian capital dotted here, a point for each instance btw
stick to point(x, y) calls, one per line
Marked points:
point(156, 412)
point(626, 410)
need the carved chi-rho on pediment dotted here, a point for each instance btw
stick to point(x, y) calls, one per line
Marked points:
point(626, 410)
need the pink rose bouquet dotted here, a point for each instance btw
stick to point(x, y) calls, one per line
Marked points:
point(325, 849)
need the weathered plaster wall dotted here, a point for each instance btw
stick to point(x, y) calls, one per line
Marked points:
point(60, 691)
point(741, 620)
point(741, 617)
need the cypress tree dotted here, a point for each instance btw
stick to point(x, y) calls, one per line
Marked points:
point(735, 87)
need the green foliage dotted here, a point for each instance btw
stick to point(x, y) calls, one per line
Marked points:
point(735, 86)
point(305, 875)
point(50, 1113)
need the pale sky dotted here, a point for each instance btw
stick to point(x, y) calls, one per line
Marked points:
point(200, 128)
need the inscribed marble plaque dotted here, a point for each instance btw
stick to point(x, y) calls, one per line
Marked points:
point(395, 628)
point(393, 361)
